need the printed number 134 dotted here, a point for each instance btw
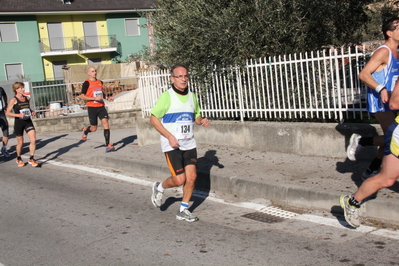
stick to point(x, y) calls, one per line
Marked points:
point(185, 129)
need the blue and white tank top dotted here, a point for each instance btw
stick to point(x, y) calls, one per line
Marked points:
point(179, 120)
point(387, 77)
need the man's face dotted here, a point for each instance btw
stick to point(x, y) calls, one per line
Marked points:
point(180, 78)
point(92, 72)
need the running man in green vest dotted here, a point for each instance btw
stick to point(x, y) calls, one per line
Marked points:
point(173, 116)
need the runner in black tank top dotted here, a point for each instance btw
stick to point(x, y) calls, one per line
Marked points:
point(19, 108)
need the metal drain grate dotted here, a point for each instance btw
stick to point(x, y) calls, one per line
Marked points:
point(263, 217)
point(278, 212)
point(270, 215)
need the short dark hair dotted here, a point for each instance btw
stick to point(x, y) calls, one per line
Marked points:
point(176, 66)
point(389, 25)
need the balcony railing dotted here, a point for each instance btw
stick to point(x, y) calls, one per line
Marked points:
point(58, 45)
point(75, 45)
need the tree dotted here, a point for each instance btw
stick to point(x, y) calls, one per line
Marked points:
point(204, 33)
point(378, 12)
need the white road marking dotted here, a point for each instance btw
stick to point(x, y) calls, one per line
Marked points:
point(387, 233)
point(333, 223)
point(126, 178)
point(394, 234)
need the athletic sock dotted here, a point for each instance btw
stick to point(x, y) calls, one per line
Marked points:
point(87, 130)
point(31, 157)
point(183, 206)
point(160, 188)
point(366, 141)
point(106, 136)
point(375, 164)
point(19, 158)
point(353, 202)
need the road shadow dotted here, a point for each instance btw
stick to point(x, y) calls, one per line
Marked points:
point(169, 202)
point(40, 143)
point(203, 182)
point(62, 150)
point(125, 141)
point(4, 159)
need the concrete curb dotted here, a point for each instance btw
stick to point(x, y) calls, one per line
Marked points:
point(283, 194)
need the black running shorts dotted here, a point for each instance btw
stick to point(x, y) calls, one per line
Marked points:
point(4, 124)
point(94, 112)
point(178, 159)
point(20, 125)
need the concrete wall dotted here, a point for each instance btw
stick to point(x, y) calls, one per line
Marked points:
point(70, 123)
point(313, 139)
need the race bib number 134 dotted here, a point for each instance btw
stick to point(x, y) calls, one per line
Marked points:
point(184, 129)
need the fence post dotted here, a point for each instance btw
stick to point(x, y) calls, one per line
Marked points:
point(239, 91)
point(340, 115)
point(67, 80)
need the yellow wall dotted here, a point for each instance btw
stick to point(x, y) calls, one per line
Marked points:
point(72, 25)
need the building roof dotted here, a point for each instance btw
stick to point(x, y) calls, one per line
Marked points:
point(43, 7)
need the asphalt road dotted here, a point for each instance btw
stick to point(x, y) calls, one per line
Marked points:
point(61, 214)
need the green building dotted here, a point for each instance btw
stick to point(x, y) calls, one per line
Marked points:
point(37, 38)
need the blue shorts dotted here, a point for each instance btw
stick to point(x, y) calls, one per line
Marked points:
point(392, 140)
point(374, 103)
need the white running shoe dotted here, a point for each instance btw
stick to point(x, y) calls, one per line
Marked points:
point(351, 212)
point(186, 215)
point(353, 146)
point(156, 197)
